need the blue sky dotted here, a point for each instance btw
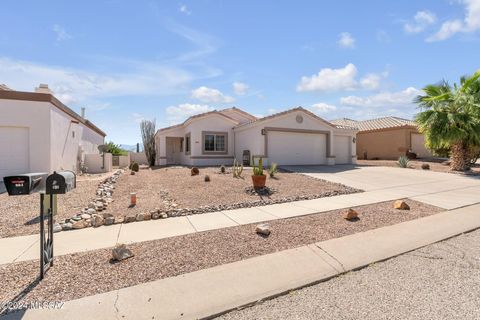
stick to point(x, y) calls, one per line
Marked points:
point(131, 60)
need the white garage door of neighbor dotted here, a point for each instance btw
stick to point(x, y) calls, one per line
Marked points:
point(418, 145)
point(14, 155)
point(341, 149)
point(289, 148)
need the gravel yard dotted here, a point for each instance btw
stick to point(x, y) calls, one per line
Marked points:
point(77, 275)
point(174, 188)
point(440, 281)
point(19, 215)
point(435, 165)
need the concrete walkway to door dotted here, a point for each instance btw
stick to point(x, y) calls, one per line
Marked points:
point(445, 190)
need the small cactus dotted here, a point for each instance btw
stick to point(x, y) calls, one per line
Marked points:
point(222, 169)
point(403, 162)
point(207, 178)
point(237, 170)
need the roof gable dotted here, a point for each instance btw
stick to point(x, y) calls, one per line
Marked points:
point(283, 113)
point(199, 116)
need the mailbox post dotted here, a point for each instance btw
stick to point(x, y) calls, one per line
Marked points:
point(49, 186)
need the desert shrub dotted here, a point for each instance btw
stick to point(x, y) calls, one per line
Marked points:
point(411, 155)
point(207, 178)
point(194, 171)
point(272, 170)
point(425, 166)
point(222, 169)
point(403, 162)
point(135, 167)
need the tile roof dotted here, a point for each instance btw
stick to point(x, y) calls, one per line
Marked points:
point(375, 124)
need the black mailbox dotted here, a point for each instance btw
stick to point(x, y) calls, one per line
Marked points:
point(60, 182)
point(25, 183)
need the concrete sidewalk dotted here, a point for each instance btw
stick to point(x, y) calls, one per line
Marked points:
point(27, 247)
point(215, 290)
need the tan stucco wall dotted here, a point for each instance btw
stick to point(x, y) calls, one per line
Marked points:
point(386, 144)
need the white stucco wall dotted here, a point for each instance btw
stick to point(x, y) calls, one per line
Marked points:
point(138, 157)
point(97, 164)
point(36, 117)
point(54, 140)
point(213, 123)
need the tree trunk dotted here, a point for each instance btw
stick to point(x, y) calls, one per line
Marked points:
point(458, 156)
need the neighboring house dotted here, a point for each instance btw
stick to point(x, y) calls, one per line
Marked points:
point(386, 138)
point(38, 133)
point(292, 137)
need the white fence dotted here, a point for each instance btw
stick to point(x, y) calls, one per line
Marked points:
point(138, 157)
point(98, 163)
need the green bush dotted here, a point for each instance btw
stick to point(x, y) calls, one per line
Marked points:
point(272, 170)
point(135, 167)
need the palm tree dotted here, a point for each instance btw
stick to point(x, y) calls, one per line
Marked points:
point(450, 118)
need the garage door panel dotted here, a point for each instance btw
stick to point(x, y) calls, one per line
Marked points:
point(14, 150)
point(289, 148)
point(342, 149)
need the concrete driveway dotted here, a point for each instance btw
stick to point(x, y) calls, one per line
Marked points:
point(445, 190)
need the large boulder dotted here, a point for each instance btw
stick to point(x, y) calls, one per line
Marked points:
point(121, 252)
point(130, 218)
point(401, 205)
point(350, 214)
point(263, 229)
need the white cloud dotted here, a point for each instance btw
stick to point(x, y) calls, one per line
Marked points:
point(340, 79)
point(176, 114)
point(206, 94)
point(61, 33)
point(240, 88)
point(371, 81)
point(184, 9)
point(422, 20)
point(448, 29)
point(470, 23)
point(383, 99)
point(137, 117)
point(329, 79)
point(322, 107)
point(346, 40)
point(73, 85)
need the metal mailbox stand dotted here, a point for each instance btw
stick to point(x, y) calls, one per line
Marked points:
point(46, 242)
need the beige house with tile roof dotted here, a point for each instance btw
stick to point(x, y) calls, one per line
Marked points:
point(386, 138)
point(293, 137)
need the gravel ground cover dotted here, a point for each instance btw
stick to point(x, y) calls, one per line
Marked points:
point(82, 274)
point(19, 215)
point(435, 165)
point(173, 189)
point(440, 281)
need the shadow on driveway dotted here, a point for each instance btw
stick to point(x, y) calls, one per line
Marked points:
point(322, 168)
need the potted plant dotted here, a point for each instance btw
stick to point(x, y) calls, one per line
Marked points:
point(258, 177)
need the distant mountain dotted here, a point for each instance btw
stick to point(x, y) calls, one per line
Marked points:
point(130, 147)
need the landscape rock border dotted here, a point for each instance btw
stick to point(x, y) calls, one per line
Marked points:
point(92, 216)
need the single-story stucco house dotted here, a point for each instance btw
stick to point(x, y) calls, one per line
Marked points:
point(38, 133)
point(292, 137)
point(386, 138)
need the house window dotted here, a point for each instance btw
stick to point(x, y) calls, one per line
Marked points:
point(187, 144)
point(214, 142)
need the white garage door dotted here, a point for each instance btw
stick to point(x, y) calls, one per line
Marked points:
point(418, 145)
point(288, 148)
point(341, 149)
point(14, 146)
